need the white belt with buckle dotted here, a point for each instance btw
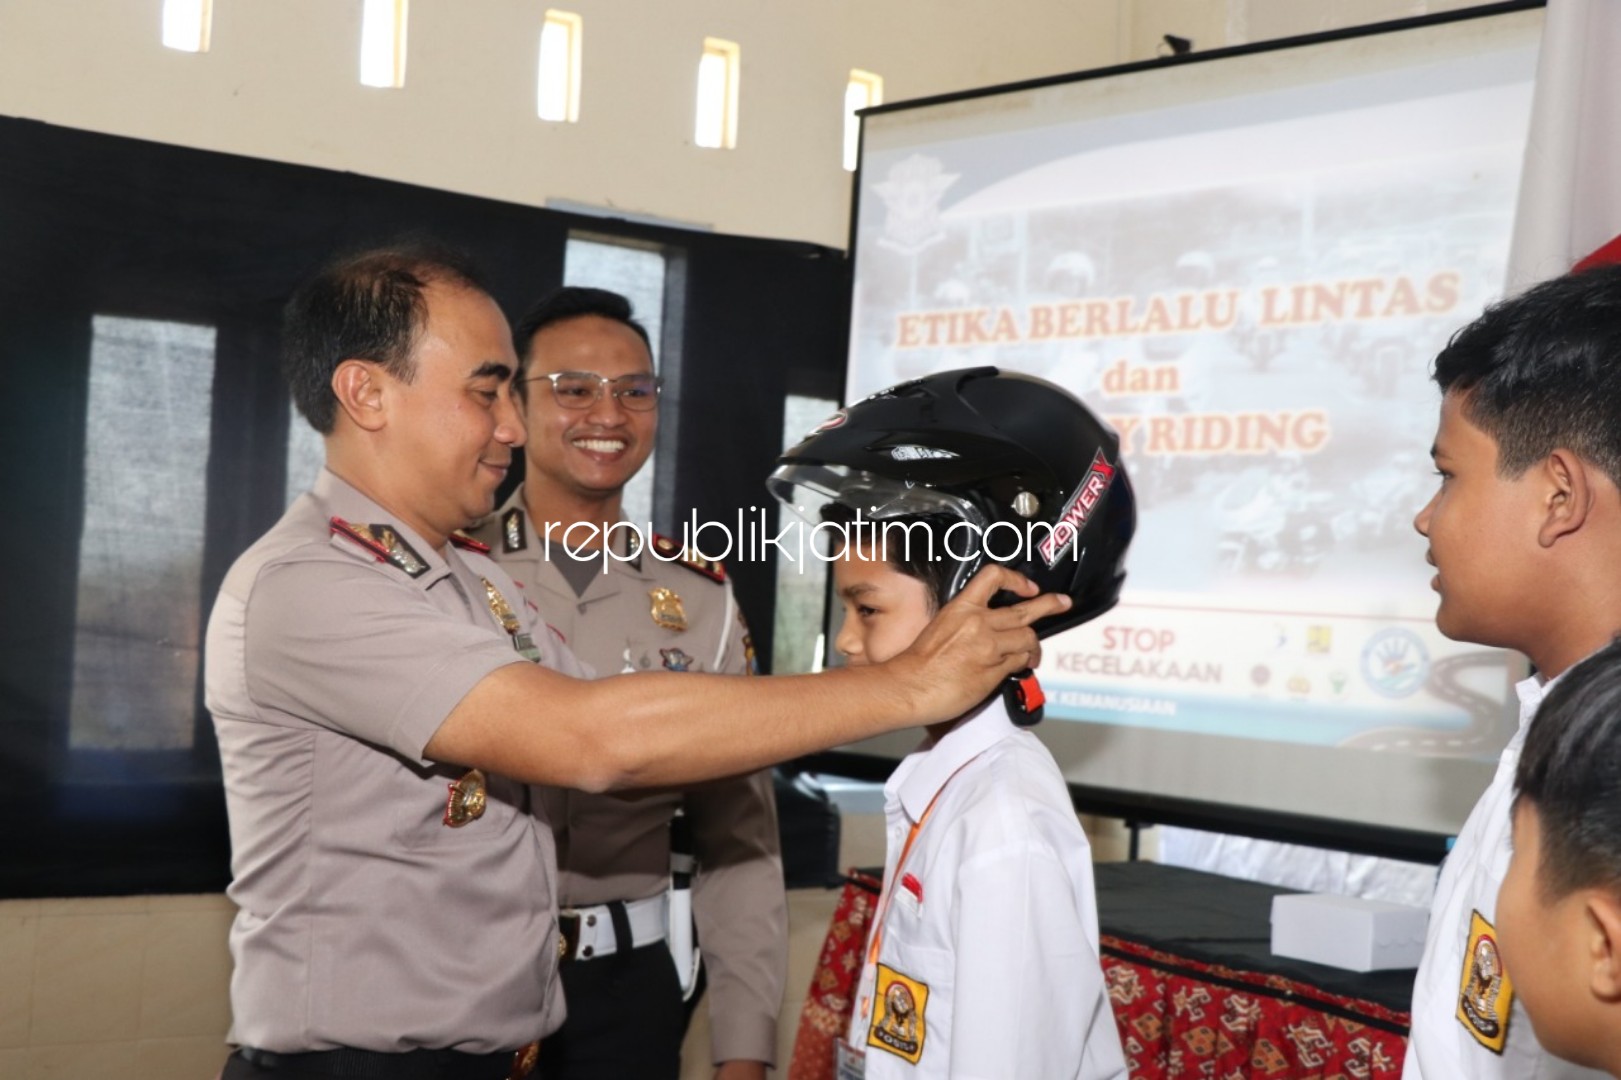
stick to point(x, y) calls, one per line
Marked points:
point(649, 922)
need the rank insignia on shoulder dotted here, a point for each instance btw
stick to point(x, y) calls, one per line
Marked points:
point(468, 543)
point(1485, 994)
point(514, 537)
point(383, 542)
point(668, 613)
point(897, 1023)
point(668, 550)
point(466, 801)
point(676, 660)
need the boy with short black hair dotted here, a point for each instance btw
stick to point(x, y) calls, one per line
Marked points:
point(1525, 535)
point(1559, 911)
point(983, 958)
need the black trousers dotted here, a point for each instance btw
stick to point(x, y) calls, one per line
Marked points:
point(625, 1019)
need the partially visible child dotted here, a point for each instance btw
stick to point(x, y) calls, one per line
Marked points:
point(983, 959)
point(1559, 911)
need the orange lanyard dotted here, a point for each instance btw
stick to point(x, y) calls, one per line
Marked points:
point(900, 864)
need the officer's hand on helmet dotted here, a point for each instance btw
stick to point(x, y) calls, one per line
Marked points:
point(970, 646)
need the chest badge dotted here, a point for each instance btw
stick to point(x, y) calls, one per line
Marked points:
point(467, 799)
point(667, 610)
point(898, 1024)
point(676, 660)
point(1485, 995)
point(522, 642)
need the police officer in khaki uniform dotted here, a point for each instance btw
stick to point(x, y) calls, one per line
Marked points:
point(590, 399)
point(383, 697)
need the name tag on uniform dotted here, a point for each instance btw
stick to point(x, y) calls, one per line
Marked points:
point(850, 1063)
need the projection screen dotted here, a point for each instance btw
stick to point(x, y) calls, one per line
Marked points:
point(1246, 262)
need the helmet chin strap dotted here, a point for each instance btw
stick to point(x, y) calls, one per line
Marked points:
point(1021, 692)
point(1022, 695)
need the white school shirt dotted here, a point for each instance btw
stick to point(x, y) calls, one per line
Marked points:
point(1445, 1043)
point(993, 930)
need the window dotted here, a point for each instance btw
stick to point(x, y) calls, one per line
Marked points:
point(865, 89)
point(306, 454)
point(382, 43)
point(186, 24)
point(717, 95)
point(798, 643)
point(558, 95)
point(137, 620)
point(636, 273)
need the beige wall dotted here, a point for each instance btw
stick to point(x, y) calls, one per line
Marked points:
point(280, 81)
point(127, 986)
point(143, 981)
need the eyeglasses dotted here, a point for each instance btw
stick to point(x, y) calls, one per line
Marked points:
point(583, 389)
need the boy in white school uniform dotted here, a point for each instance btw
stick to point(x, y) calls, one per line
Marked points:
point(983, 960)
point(1559, 910)
point(1524, 531)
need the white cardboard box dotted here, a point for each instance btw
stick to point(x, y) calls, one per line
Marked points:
point(1345, 932)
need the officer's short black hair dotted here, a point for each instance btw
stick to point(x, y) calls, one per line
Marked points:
point(368, 305)
point(1570, 771)
point(1542, 370)
point(573, 302)
point(913, 544)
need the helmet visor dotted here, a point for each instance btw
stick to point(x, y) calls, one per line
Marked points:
point(804, 489)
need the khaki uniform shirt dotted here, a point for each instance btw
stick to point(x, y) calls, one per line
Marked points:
point(618, 848)
point(364, 920)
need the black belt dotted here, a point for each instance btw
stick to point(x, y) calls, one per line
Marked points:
point(411, 1065)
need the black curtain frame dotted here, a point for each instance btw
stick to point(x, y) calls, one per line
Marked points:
point(97, 224)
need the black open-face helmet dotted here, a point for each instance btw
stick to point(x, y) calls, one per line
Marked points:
point(1032, 470)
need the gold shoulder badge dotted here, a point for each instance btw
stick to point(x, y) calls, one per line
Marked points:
point(466, 801)
point(670, 551)
point(897, 1022)
point(469, 543)
point(514, 537)
point(667, 610)
point(1484, 993)
point(383, 542)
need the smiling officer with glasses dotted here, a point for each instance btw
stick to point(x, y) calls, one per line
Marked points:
point(636, 612)
point(638, 391)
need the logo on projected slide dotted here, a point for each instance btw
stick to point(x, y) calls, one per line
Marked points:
point(1395, 662)
point(1077, 510)
point(911, 194)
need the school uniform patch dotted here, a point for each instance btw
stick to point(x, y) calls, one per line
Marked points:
point(1485, 995)
point(898, 1021)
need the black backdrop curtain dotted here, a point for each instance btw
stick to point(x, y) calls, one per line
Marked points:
point(99, 225)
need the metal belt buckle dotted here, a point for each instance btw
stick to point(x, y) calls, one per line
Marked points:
point(568, 935)
point(524, 1059)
